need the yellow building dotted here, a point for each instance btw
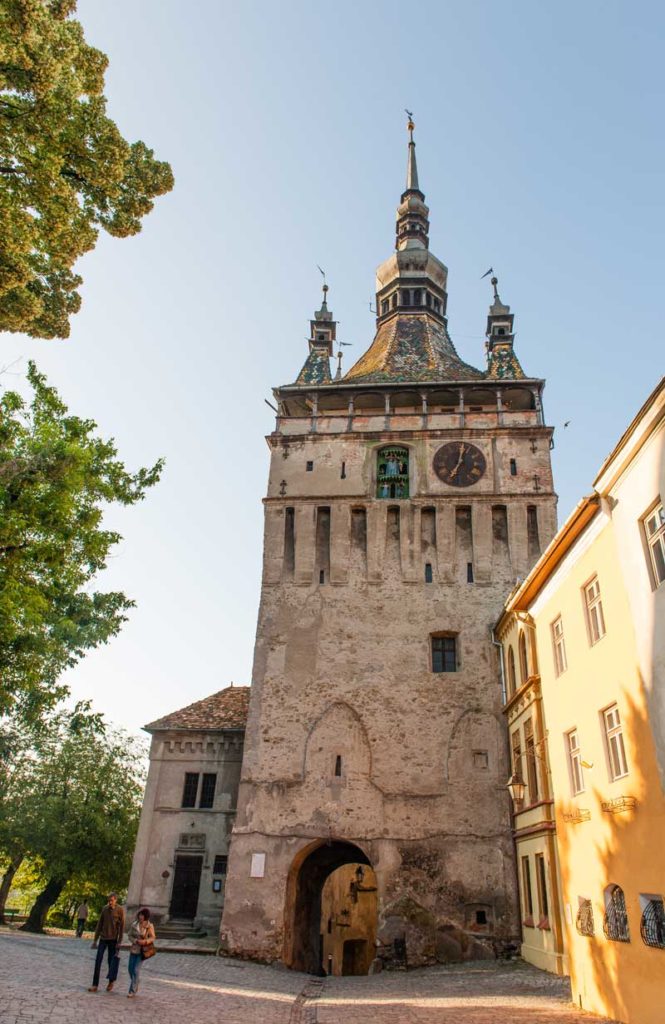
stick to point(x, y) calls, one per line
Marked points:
point(583, 643)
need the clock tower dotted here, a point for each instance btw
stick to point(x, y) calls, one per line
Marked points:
point(404, 500)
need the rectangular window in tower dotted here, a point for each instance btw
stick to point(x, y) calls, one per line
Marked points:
point(428, 572)
point(190, 789)
point(343, 472)
point(208, 786)
point(289, 543)
point(616, 751)
point(513, 467)
point(444, 654)
point(338, 765)
point(469, 572)
point(527, 895)
point(594, 611)
point(309, 466)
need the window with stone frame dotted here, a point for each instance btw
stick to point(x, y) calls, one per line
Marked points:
point(616, 751)
point(575, 762)
point(512, 679)
point(527, 893)
point(654, 529)
point(444, 653)
point(559, 646)
point(208, 786)
point(524, 661)
point(541, 882)
point(190, 789)
point(516, 750)
point(594, 611)
point(531, 766)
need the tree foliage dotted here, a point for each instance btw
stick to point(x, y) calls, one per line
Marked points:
point(65, 169)
point(71, 802)
point(56, 477)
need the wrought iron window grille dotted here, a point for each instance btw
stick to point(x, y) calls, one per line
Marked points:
point(615, 922)
point(584, 922)
point(652, 925)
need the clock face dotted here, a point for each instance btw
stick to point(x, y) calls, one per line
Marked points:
point(459, 464)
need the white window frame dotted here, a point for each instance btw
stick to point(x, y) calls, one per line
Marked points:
point(559, 646)
point(593, 605)
point(616, 751)
point(574, 755)
point(654, 535)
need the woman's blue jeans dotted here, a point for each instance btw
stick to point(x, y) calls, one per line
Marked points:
point(134, 968)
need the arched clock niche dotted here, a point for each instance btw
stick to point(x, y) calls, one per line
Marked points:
point(392, 472)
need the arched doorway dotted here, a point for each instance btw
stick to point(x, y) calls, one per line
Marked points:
point(308, 942)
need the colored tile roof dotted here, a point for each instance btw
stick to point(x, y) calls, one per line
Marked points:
point(317, 367)
point(226, 709)
point(411, 348)
point(504, 364)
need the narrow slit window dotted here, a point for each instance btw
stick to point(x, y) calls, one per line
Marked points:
point(309, 466)
point(338, 766)
point(428, 572)
point(343, 472)
point(469, 572)
point(527, 893)
point(541, 881)
point(513, 467)
point(322, 575)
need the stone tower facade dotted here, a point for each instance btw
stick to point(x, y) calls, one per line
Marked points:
point(404, 500)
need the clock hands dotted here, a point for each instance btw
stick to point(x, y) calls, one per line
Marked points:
point(459, 461)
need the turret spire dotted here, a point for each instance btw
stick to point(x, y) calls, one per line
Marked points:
point(411, 166)
point(323, 330)
point(501, 359)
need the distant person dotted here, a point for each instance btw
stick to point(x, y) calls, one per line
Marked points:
point(108, 935)
point(81, 919)
point(142, 938)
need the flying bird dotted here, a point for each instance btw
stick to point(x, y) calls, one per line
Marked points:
point(566, 424)
point(490, 271)
point(409, 113)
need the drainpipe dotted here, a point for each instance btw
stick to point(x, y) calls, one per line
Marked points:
point(503, 677)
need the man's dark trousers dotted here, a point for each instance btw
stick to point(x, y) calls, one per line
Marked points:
point(104, 944)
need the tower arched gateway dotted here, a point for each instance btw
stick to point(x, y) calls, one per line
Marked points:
point(405, 498)
point(330, 928)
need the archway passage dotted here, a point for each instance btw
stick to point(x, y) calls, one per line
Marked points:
point(307, 942)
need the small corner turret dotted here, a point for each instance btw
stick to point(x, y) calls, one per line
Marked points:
point(323, 332)
point(501, 359)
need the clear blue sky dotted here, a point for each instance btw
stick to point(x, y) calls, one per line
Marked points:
point(540, 149)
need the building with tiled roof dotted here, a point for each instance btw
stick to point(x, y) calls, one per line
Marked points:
point(226, 709)
point(179, 867)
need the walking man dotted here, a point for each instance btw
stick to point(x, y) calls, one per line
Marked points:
point(81, 919)
point(108, 935)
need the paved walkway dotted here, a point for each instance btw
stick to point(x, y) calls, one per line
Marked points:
point(43, 980)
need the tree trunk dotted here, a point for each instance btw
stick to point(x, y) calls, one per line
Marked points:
point(43, 904)
point(6, 883)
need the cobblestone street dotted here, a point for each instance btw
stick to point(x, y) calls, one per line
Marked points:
point(44, 979)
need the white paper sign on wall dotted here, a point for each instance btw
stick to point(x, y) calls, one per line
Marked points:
point(258, 866)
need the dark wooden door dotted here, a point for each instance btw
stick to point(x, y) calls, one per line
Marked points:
point(185, 894)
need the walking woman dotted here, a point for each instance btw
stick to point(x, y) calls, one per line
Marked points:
point(142, 938)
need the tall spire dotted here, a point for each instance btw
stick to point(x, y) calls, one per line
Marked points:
point(411, 166)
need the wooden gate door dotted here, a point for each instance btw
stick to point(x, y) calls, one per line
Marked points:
point(185, 894)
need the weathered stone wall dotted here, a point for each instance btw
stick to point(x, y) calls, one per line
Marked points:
point(343, 671)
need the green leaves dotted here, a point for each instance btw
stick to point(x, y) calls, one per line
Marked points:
point(65, 169)
point(56, 476)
